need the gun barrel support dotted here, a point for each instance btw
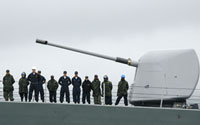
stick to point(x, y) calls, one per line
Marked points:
point(117, 59)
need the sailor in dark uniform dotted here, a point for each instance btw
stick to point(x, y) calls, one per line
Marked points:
point(64, 81)
point(76, 82)
point(34, 80)
point(42, 81)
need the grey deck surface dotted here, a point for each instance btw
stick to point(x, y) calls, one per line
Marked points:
point(64, 114)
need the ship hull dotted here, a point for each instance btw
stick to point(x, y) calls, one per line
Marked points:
point(65, 114)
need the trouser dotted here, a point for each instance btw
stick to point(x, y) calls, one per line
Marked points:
point(76, 95)
point(23, 95)
point(97, 100)
point(108, 100)
point(64, 91)
point(52, 96)
point(125, 100)
point(86, 96)
point(33, 87)
point(41, 92)
point(8, 95)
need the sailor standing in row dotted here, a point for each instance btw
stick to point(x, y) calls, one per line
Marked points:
point(122, 91)
point(86, 87)
point(64, 81)
point(42, 81)
point(52, 86)
point(96, 84)
point(107, 90)
point(34, 80)
point(23, 87)
point(8, 88)
point(76, 82)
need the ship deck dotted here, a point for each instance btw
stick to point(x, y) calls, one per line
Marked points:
point(50, 114)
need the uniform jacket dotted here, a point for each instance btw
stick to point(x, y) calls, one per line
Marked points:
point(8, 82)
point(33, 78)
point(87, 86)
point(108, 88)
point(76, 82)
point(64, 81)
point(42, 80)
point(96, 87)
point(122, 88)
point(52, 85)
point(23, 85)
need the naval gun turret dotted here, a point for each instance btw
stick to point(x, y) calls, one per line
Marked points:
point(162, 77)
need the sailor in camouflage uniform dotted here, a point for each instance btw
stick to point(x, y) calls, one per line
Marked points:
point(52, 86)
point(23, 87)
point(122, 91)
point(107, 88)
point(8, 88)
point(96, 90)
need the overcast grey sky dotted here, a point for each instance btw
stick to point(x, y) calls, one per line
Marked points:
point(125, 28)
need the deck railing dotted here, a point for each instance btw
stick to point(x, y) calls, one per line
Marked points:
point(194, 99)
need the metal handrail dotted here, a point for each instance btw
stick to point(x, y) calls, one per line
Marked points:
point(194, 97)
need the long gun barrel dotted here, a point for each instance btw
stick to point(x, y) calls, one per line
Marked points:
point(117, 59)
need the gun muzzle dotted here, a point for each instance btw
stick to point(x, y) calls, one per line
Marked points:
point(42, 41)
